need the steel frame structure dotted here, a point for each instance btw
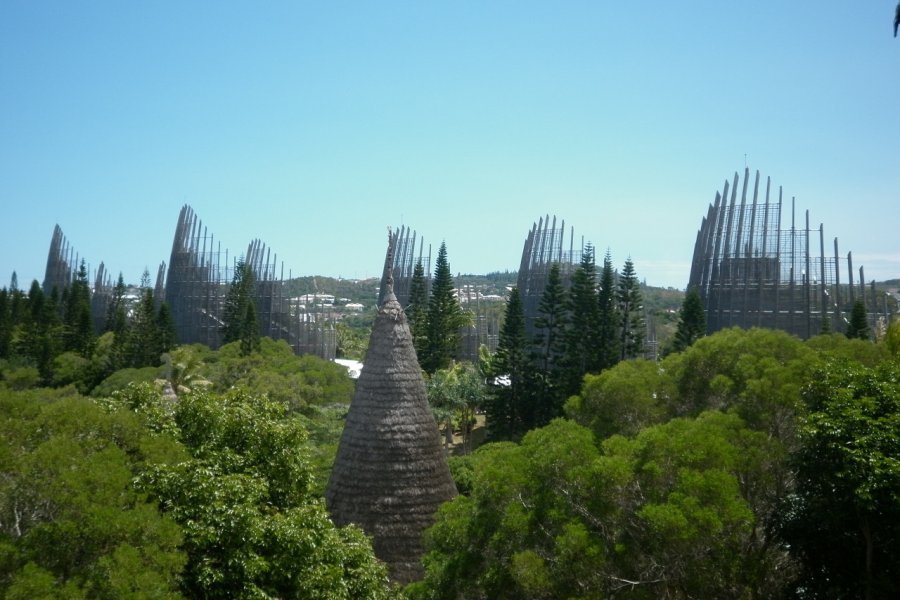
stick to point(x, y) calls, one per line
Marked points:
point(198, 280)
point(544, 246)
point(752, 270)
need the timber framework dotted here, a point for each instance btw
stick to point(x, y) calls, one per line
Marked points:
point(754, 270)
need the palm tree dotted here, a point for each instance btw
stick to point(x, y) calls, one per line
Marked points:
point(182, 371)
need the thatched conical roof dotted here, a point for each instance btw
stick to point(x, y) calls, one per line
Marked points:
point(391, 471)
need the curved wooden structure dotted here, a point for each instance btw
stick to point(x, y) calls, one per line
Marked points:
point(753, 270)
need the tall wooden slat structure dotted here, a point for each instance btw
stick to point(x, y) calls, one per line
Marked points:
point(750, 271)
point(197, 283)
point(544, 246)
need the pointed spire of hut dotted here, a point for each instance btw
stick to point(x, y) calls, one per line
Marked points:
point(391, 471)
point(387, 273)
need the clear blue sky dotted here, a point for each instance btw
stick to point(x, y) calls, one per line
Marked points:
point(314, 126)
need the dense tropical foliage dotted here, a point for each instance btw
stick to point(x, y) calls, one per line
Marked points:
point(728, 470)
point(744, 464)
point(137, 495)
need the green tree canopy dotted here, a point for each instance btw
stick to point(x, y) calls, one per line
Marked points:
point(252, 527)
point(660, 515)
point(71, 523)
point(623, 400)
point(844, 517)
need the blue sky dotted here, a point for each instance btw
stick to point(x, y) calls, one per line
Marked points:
point(315, 126)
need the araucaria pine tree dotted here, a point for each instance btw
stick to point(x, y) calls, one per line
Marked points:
point(240, 294)
point(858, 327)
point(144, 347)
point(117, 323)
point(631, 311)
point(249, 330)
point(77, 322)
point(39, 341)
point(417, 309)
point(609, 340)
point(582, 343)
point(444, 320)
point(116, 311)
point(510, 409)
point(549, 347)
point(165, 323)
point(6, 324)
point(691, 322)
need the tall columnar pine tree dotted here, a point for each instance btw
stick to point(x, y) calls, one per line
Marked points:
point(858, 328)
point(6, 325)
point(240, 294)
point(144, 347)
point(417, 309)
point(16, 316)
point(549, 347)
point(165, 324)
point(117, 323)
point(511, 410)
point(42, 330)
point(444, 320)
point(249, 330)
point(77, 321)
point(116, 310)
point(582, 332)
point(691, 322)
point(16, 300)
point(145, 278)
point(631, 311)
point(609, 340)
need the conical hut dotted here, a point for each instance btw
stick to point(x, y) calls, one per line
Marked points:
point(391, 471)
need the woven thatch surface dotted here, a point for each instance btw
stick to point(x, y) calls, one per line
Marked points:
point(391, 471)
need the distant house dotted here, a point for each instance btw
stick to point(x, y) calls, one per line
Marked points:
point(314, 299)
